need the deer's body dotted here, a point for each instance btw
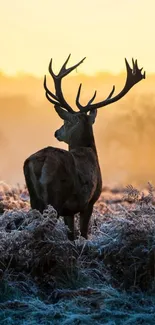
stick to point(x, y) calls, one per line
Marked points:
point(68, 180)
point(62, 178)
point(71, 181)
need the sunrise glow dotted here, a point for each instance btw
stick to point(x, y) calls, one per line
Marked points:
point(105, 31)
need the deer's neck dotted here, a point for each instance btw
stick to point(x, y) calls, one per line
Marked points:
point(83, 139)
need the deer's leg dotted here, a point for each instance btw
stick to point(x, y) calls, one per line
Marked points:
point(84, 221)
point(69, 221)
point(35, 202)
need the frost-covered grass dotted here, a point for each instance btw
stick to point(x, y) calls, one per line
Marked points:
point(105, 306)
point(108, 279)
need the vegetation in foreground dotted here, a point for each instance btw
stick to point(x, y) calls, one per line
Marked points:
point(108, 279)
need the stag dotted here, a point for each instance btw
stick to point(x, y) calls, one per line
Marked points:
point(71, 180)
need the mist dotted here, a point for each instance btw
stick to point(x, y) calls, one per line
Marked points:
point(124, 131)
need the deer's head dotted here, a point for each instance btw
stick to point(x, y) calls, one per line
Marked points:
point(76, 123)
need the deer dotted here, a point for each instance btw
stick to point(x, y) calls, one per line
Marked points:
point(70, 180)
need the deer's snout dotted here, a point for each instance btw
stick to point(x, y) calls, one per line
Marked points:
point(58, 135)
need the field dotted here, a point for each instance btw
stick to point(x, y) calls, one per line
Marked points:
point(108, 279)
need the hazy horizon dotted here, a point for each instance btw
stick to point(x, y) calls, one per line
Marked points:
point(124, 131)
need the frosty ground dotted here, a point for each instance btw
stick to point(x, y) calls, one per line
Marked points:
point(108, 279)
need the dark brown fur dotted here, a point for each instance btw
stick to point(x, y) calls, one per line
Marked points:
point(72, 178)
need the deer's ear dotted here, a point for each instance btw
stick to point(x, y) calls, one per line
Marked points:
point(92, 116)
point(66, 116)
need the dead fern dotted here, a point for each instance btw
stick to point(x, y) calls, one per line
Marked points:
point(133, 195)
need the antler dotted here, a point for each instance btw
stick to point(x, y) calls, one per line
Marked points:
point(58, 97)
point(134, 75)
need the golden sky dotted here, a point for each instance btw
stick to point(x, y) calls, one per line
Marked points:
point(105, 31)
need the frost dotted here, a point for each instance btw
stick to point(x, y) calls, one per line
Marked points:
point(108, 279)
